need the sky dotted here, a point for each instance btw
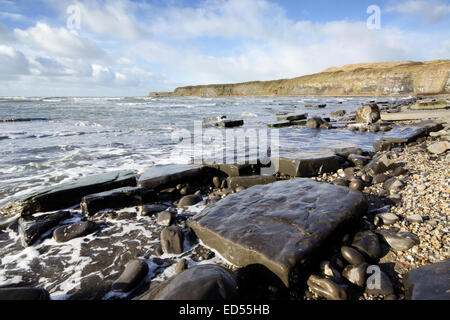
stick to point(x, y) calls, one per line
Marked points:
point(129, 48)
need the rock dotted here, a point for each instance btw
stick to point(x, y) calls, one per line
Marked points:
point(151, 209)
point(72, 231)
point(367, 243)
point(69, 194)
point(180, 266)
point(172, 240)
point(293, 117)
point(387, 218)
point(320, 106)
point(414, 218)
point(366, 178)
point(356, 184)
point(304, 166)
point(306, 212)
point(378, 283)
point(326, 288)
point(368, 114)
point(439, 147)
point(428, 283)
point(202, 282)
point(164, 219)
point(401, 241)
point(235, 170)
point(338, 113)
point(166, 176)
point(393, 185)
point(356, 274)
point(346, 152)
point(380, 178)
point(358, 160)
point(249, 181)
point(415, 115)
point(216, 182)
point(330, 272)
point(7, 221)
point(352, 255)
point(30, 228)
point(315, 123)
point(23, 294)
point(229, 123)
point(116, 199)
point(341, 182)
point(190, 200)
point(400, 171)
point(380, 164)
point(135, 271)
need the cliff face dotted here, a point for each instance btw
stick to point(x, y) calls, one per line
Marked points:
point(366, 79)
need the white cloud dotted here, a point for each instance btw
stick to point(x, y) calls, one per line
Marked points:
point(12, 62)
point(59, 41)
point(430, 12)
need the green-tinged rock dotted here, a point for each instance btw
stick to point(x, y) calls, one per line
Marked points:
point(65, 195)
point(245, 227)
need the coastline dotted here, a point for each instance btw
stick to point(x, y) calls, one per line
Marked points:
point(406, 161)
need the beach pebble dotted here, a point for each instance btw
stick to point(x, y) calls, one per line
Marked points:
point(414, 218)
point(356, 274)
point(378, 283)
point(401, 241)
point(356, 184)
point(188, 201)
point(164, 218)
point(352, 255)
point(135, 271)
point(367, 242)
point(172, 240)
point(327, 289)
point(387, 218)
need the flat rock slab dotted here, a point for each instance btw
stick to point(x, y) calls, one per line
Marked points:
point(245, 227)
point(229, 123)
point(31, 229)
point(117, 199)
point(203, 282)
point(235, 170)
point(250, 181)
point(69, 194)
point(415, 115)
point(306, 166)
point(429, 283)
point(75, 230)
point(293, 117)
point(165, 176)
point(284, 124)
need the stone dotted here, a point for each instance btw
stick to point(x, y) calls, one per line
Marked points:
point(166, 176)
point(320, 106)
point(414, 218)
point(356, 184)
point(314, 123)
point(346, 152)
point(306, 166)
point(338, 113)
point(428, 283)
point(415, 115)
point(378, 283)
point(380, 164)
point(352, 255)
point(7, 221)
point(229, 123)
point(327, 289)
point(164, 219)
point(399, 171)
point(249, 181)
point(356, 274)
point(366, 178)
point(134, 273)
point(341, 182)
point(307, 213)
point(116, 199)
point(235, 170)
point(367, 242)
point(66, 195)
point(439, 147)
point(380, 178)
point(401, 241)
point(216, 182)
point(151, 209)
point(190, 200)
point(293, 117)
point(393, 185)
point(31, 228)
point(75, 230)
point(368, 114)
point(330, 272)
point(23, 294)
point(387, 218)
point(172, 240)
point(202, 282)
point(180, 266)
point(358, 160)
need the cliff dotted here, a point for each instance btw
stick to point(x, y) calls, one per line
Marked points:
point(364, 79)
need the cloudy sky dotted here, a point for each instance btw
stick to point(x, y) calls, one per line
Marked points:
point(128, 48)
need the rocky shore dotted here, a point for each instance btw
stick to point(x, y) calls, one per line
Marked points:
point(349, 225)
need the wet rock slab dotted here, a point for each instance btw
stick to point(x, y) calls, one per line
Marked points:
point(165, 176)
point(229, 123)
point(245, 227)
point(69, 194)
point(250, 181)
point(306, 165)
point(116, 199)
point(429, 283)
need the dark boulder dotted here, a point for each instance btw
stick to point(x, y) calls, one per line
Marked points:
point(190, 200)
point(368, 114)
point(172, 240)
point(306, 166)
point(72, 231)
point(245, 227)
point(367, 242)
point(166, 176)
point(135, 271)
